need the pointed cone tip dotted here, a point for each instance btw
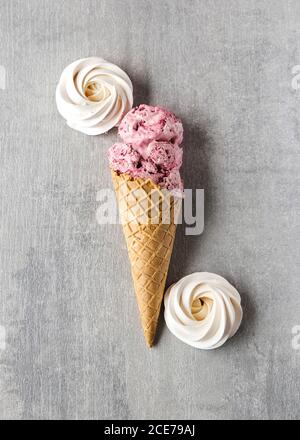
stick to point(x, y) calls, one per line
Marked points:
point(149, 342)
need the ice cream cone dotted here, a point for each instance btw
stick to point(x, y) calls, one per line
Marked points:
point(148, 217)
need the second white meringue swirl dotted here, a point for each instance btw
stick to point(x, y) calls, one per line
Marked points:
point(93, 95)
point(203, 310)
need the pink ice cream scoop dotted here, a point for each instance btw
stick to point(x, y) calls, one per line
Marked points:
point(172, 181)
point(150, 149)
point(149, 170)
point(164, 154)
point(123, 158)
point(146, 123)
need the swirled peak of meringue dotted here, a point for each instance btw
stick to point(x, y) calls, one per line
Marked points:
point(203, 310)
point(93, 95)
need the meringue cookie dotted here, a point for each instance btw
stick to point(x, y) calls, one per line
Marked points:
point(203, 310)
point(93, 95)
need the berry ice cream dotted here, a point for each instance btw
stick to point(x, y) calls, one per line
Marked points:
point(123, 158)
point(172, 181)
point(166, 155)
point(146, 123)
point(151, 147)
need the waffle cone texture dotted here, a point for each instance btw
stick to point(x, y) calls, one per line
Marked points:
point(148, 215)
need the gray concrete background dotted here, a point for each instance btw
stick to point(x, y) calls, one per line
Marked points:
point(74, 347)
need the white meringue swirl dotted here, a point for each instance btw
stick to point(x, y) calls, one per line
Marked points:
point(93, 95)
point(203, 310)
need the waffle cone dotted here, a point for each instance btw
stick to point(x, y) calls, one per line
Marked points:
point(148, 218)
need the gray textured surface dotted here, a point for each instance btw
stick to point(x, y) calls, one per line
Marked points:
point(74, 345)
